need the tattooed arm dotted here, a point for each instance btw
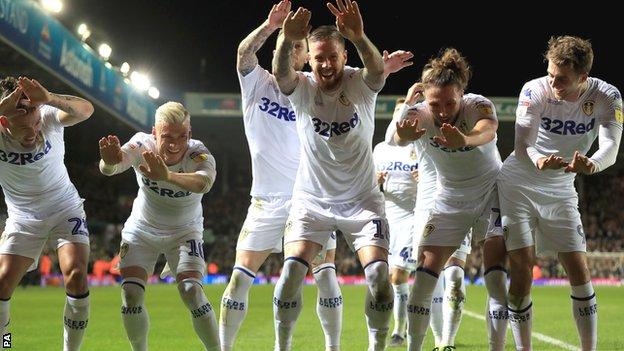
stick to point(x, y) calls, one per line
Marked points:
point(73, 109)
point(296, 27)
point(246, 59)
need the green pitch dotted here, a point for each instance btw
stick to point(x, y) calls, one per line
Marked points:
point(36, 320)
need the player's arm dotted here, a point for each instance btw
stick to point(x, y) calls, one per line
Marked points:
point(246, 59)
point(482, 133)
point(526, 129)
point(609, 136)
point(350, 25)
point(113, 159)
point(73, 109)
point(403, 130)
point(396, 61)
point(296, 27)
point(199, 181)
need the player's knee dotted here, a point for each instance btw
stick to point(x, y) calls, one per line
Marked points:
point(132, 292)
point(190, 289)
point(76, 280)
point(378, 281)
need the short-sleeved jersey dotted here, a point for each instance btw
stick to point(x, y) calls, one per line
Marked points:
point(398, 162)
point(564, 127)
point(270, 127)
point(467, 173)
point(335, 130)
point(163, 206)
point(35, 181)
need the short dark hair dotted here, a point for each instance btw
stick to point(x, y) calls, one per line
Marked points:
point(327, 32)
point(7, 86)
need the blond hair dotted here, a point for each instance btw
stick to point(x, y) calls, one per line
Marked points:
point(449, 68)
point(172, 112)
point(570, 51)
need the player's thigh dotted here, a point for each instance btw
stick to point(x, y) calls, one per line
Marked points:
point(263, 228)
point(185, 253)
point(138, 251)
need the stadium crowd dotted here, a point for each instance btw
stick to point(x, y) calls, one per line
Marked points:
point(109, 201)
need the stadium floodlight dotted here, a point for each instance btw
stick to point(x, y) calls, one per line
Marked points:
point(83, 31)
point(125, 68)
point(52, 5)
point(105, 51)
point(153, 92)
point(140, 81)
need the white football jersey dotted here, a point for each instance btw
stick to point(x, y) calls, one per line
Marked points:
point(398, 162)
point(270, 127)
point(427, 175)
point(562, 128)
point(336, 132)
point(163, 206)
point(467, 173)
point(35, 182)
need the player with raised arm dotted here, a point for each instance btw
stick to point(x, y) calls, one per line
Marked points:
point(335, 187)
point(42, 202)
point(270, 127)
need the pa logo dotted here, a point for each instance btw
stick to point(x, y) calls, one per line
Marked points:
point(6, 341)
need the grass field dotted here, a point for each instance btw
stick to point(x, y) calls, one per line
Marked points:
point(36, 320)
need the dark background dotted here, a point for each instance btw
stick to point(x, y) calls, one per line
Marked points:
point(503, 41)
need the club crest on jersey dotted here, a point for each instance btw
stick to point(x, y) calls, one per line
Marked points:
point(343, 99)
point(429, 228)
point(123, 249)
point(588, 107)
point(413, 155)
point(198, 156)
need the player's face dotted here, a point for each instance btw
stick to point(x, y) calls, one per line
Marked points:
point(444, 102)
point(172, 141)
point(300, 54)
point(26, 128)
point(565, 83)
point(327, 59)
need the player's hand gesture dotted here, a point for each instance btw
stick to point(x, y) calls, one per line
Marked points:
point(415, 175)
point(381, 177)
point(408, 129)
point(110, 150)
point(452, 138)
point(297, 25)
point(154, 167)
point(580, 164)
point(278, 14)
point(35, 93)
point(10, 106)
point(348, 19)
point(414, 94)
point(551, 162)
point(396, 61)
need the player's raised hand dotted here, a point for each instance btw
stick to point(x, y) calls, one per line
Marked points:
point(381, 177)
point(396, 61)
point(110, 150)
point(551, 162)
point(297, 25)
point(348, 19)
point(154, 167)
point(414, 174)
point(408, 130)
point(414, 93)
point(278, 14)
point(452, 138)
point(580, 164)
point(35, 93)
point(10, 106)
